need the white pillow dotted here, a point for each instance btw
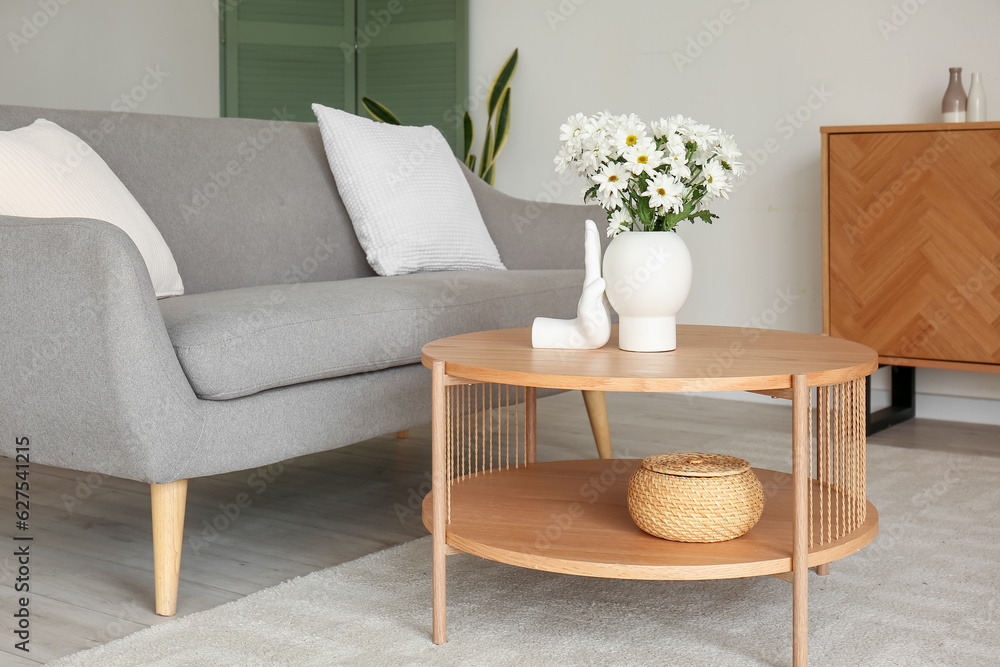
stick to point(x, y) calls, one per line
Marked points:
point(49, 172)
point(409, 202)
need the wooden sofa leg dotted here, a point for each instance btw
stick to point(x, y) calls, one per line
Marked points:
point(168, 502)
point(597, 410)
point(403, 435)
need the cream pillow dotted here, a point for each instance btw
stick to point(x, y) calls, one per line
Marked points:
point(409, 202)
point(49, 172)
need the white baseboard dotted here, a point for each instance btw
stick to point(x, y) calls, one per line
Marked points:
point(929, 406)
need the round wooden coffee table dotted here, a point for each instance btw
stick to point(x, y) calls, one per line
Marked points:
point(491, 498)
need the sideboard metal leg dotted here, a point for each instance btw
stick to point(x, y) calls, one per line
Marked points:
point(903, 394)
point(800, 526)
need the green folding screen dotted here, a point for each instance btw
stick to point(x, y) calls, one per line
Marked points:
point(417, 64)
point(411, 55)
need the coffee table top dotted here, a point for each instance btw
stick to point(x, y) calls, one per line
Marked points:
point(707, 358)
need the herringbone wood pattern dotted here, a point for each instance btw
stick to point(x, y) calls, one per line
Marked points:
point(914, 224)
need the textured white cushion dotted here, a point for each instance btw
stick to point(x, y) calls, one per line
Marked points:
point(49, 172)
point(409, 202)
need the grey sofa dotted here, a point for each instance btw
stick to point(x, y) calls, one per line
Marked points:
point(284, 339)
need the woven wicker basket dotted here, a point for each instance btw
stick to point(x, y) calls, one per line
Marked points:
point(695, 497)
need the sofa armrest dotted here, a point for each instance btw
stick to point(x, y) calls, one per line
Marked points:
point(534, 235)
point(87, 371)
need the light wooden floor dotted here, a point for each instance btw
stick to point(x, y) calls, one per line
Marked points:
point(91, 567)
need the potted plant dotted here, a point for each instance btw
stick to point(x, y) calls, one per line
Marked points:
point(649, 178)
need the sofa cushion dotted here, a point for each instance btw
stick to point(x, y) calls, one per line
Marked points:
point(239, 342)
point(240, 202)
point(410, 205)
point(49, 172)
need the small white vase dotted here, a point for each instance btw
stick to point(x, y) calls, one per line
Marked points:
point(648, 277)
point(976, 104)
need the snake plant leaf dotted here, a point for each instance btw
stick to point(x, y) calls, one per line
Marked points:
point(379, 111)
point(489, 175)
point(486, 160)
point(503, 125)
point(470, 162)
point(469, 133)
point(500, 83)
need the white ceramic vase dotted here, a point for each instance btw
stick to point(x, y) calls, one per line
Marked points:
point(976, 104)
point(648, 277)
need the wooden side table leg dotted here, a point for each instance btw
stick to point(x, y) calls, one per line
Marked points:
point(439, 487)
point(530, 424)
point(597, 410)
point(800, 528)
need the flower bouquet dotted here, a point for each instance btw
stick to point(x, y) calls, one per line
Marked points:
point(649, 177)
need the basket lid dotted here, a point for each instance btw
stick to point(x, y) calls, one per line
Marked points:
point(695, 464)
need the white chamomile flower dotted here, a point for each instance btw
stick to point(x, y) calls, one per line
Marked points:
point(706, 140)
point(630, 133)
point(727, 149)
point(613, 177)
point(665, 192)
point(643, 157)
point(675, 157)
point(675, 147)
point(703, 135)
point(609, 199)
point(619, 221)
point(716, 179)
point(678, 166)
point(676, 124)
point(601, 142)
point(563, 158)
point(602, 123)
point(572, 128)
point(590, 161)
point(729, 153)
point(660, 128)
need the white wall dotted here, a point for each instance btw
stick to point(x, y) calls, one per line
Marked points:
point(769, 61)
point(92, 54)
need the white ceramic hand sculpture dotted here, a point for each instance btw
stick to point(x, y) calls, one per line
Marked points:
point(591, 328)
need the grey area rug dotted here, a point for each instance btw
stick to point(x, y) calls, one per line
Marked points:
point(925, 593)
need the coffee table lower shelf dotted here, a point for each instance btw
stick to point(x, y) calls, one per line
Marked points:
point(572, 517)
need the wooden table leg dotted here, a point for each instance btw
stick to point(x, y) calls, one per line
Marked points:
point(800, 529)
point(530, 424)
point(597, 410)
point(439, 487)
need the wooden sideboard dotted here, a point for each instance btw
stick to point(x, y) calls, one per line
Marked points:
point(911, 244)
